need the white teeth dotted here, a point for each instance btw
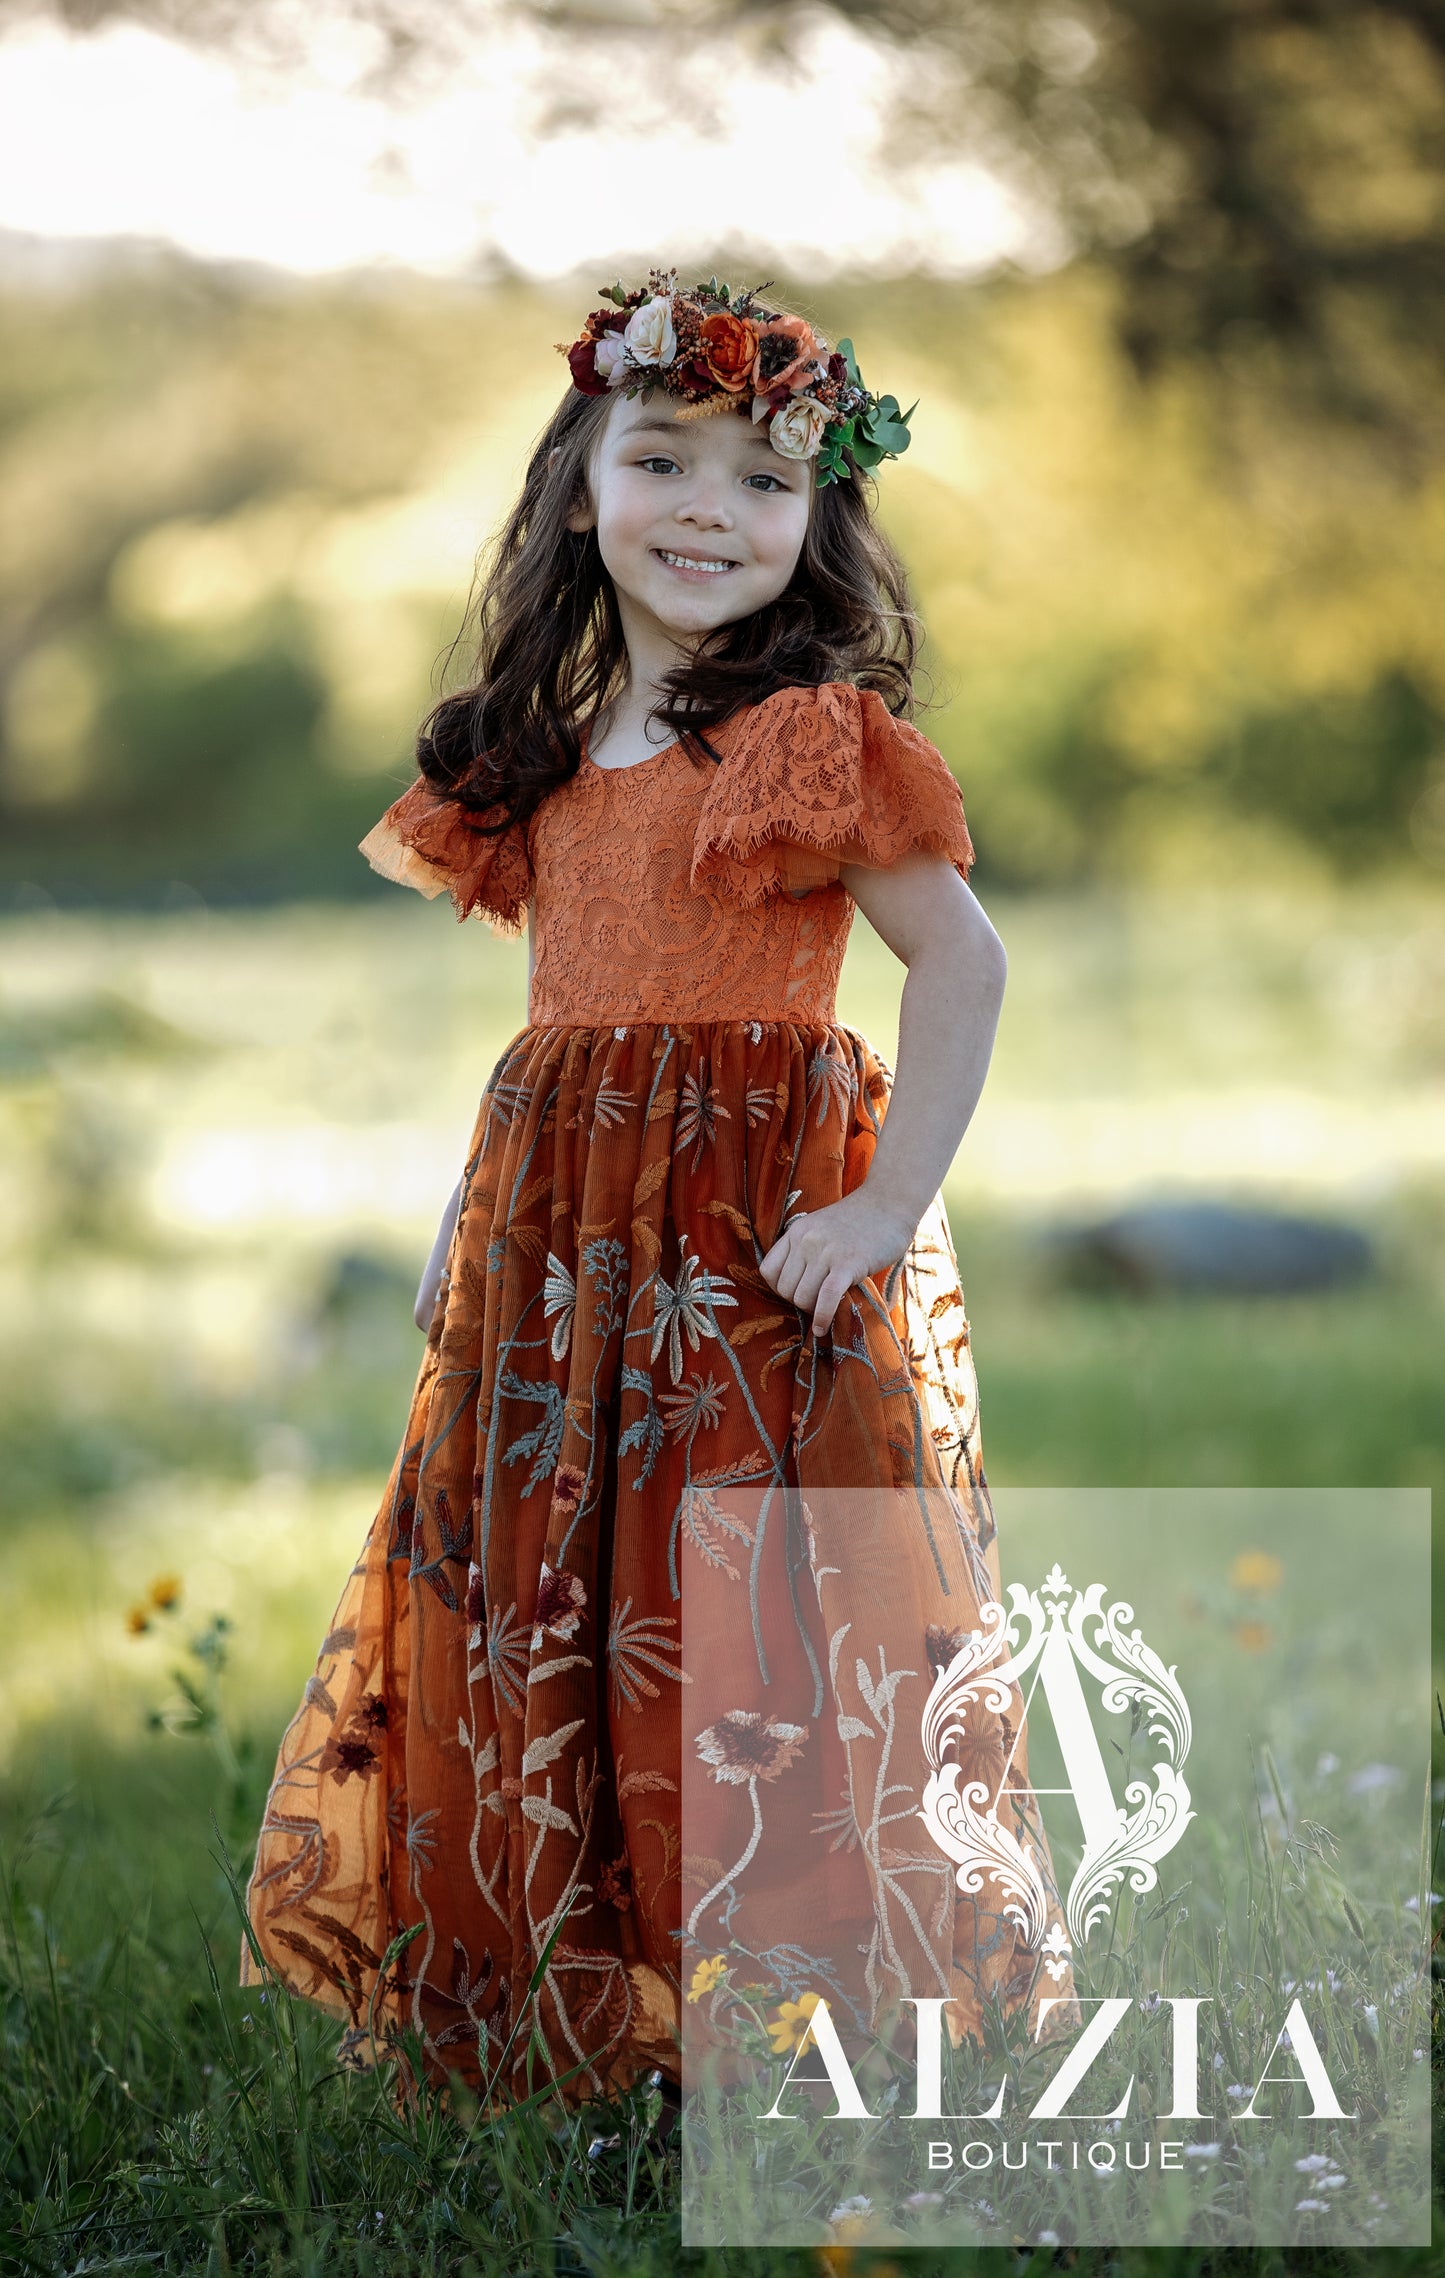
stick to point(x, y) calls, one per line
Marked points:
point(685, 561)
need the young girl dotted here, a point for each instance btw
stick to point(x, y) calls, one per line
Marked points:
point(695, 1338)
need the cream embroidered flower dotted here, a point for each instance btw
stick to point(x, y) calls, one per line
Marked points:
point(649, 334)
point(797, 430)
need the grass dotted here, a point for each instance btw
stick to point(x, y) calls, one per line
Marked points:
point(224, 1140)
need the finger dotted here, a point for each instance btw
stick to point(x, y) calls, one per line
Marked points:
point(827, 1302)
point(773, 1257)
point(792, 1281)
point(808, 1284)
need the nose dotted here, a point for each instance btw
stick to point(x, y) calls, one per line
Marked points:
point(706, 505)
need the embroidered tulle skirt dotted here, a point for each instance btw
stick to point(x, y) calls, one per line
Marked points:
point(616, 1419)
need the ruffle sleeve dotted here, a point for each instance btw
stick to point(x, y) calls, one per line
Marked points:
point(814, 778)
point(433, 844)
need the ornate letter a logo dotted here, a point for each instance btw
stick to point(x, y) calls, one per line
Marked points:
point(964, 1822)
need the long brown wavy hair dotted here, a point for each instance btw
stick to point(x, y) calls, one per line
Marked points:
point(550, 653)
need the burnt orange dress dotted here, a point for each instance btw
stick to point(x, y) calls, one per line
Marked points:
point(510, 1738)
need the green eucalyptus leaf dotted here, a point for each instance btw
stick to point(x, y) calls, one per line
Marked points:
point(869, 454)
point(845, 350)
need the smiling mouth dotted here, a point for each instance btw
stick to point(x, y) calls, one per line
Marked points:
point(704, 565)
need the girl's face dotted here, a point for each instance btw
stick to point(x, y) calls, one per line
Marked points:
point(699, 521)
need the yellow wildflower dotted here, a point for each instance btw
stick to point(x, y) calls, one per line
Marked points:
point(853, 2219)
point(1257, 1571)
point(165, 1592)
point(789, 2028)
point(137, 1621)
point(706, 1976)
point(1254, 1636)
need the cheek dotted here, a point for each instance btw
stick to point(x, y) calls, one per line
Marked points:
point(779, 542)
point(625, 513)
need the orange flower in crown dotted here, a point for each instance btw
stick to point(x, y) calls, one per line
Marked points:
point(721, 350)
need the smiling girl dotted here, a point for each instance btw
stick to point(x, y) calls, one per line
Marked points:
point(695, 1290)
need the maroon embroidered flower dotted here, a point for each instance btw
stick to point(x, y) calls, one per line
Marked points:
point(614, 1884)
point(567, 1485)
point(743, 1746)
point(476, 1599)
point(560, 1599)
point(372, 1711)
point(942, 1645)
point(346, 1753)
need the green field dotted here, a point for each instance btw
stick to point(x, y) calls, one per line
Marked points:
point(226, 1137)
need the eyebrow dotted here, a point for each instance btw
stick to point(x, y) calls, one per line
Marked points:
point(670, 427)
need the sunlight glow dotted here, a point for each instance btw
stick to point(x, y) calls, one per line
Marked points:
point(125, 132)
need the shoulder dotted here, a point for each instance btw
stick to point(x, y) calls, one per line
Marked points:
point(829, 713)
point(828, 769)
point(433, 843)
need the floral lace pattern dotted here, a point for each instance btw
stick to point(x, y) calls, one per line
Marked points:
point(683, 889)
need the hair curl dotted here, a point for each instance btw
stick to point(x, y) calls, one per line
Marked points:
point(550, 651)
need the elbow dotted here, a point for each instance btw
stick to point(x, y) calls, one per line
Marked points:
point(988, 958)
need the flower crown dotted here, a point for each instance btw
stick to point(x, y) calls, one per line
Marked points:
point(720, 351)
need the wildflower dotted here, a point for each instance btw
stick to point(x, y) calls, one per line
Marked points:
point(165, 1592)
point(789, 2028)
point(1311, 2206)
point(1047, 2238)
point(137, 1621)
point(919, 2201)
point(1151, 2004)
point(1253, 1636)
point(1313, 2163)
point(1371, 1778)
point(1257, 1571)
point(1237, 2092)
point(1328, 1763)
point(706, 1976)
point(1202, 2151)
point(851, 2218)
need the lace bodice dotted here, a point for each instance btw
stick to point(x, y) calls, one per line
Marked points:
point(685, 889)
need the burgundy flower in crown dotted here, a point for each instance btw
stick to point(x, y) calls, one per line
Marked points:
point(718, 350)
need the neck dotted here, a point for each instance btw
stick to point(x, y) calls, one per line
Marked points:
point(652, 653)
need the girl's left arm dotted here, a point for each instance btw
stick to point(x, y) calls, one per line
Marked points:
point(946, 1022)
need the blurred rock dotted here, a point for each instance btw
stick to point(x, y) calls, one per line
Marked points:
point(1212, 1248)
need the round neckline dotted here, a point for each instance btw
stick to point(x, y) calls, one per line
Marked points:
point(633, 764)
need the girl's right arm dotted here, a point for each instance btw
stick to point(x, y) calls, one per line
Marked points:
point(429, 1287)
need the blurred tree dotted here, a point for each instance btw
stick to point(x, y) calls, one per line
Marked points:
point(1263, 175)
